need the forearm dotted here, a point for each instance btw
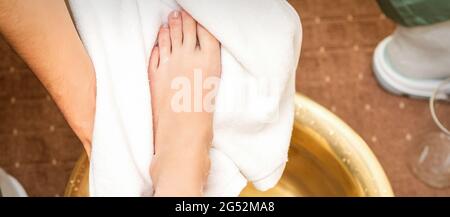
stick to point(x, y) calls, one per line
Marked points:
point(43, 34)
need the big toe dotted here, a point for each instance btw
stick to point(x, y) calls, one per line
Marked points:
point(189, 30)
point(206, 40)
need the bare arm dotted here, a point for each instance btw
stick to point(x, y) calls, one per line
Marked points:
point(43, 34)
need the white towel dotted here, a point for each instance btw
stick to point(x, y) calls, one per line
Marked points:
point(260, 48)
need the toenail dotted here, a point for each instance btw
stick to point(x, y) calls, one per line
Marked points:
point(175, 14)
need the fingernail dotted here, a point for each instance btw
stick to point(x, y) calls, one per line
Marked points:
point(175, 14)
point(165, 26)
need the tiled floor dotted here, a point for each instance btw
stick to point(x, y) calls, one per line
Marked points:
point(38, 147)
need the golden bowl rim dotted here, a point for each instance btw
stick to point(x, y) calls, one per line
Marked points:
point(374, 179)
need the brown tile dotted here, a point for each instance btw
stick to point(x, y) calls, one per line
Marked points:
point(310, 31)
point(27, 116)
point(8, 58)
point(305, 8)
point(21, 84)
point(43, 179)
point(335, 8)
point(24, 149)
point(63, 145)
point(339, 34)
point(368, 32)
point(365, 8)
point(5, 53)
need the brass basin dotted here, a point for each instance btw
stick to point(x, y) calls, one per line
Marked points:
point(326, 158)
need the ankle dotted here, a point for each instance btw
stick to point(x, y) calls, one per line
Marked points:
point(168, 168)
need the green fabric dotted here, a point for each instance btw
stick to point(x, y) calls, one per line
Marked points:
point(416, 12)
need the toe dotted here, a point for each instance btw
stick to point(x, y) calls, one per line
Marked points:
point(176, 31)
point(206, 40)
point(164, 44)
point(189, 30)
point(154, 61)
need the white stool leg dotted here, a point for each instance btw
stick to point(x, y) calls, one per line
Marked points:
point(10, 187)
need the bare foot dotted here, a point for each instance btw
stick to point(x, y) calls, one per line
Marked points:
point(187, 56)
